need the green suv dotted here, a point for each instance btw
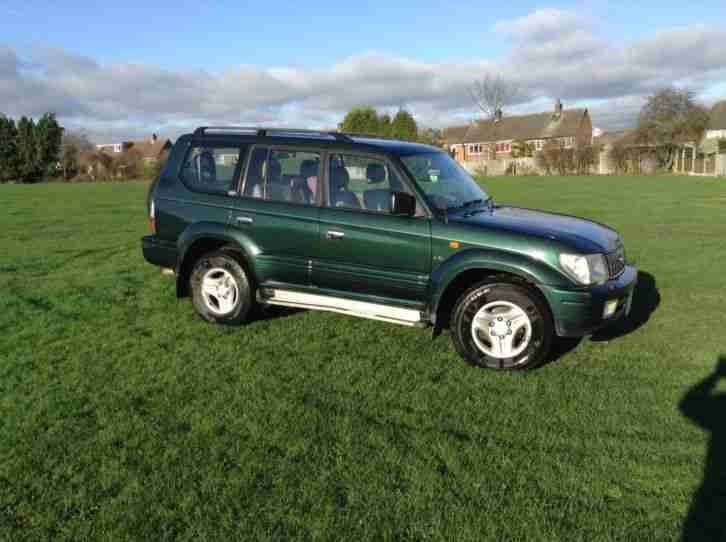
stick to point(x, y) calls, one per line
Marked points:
point(379, 229)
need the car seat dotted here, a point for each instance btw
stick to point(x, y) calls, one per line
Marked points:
point(340, 196)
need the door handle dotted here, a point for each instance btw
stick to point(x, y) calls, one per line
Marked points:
point(244, 220)
point(333, 234)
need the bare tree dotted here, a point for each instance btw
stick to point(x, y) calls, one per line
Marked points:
point(492, 93)
point(72, 145)
point(669, 118)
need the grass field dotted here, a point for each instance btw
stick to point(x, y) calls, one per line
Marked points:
point(123, 416)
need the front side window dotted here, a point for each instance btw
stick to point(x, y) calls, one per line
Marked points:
point(360, 182)
point(283, 175)
point(446, 184)
point(212, 169)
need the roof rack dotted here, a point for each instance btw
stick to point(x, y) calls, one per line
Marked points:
point(262, 132)
point(366, 135)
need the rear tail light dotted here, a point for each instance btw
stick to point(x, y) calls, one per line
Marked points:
point(152, 217)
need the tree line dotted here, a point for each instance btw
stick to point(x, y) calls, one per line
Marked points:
point(367, 121)
point(29, 150)
point(33, 151)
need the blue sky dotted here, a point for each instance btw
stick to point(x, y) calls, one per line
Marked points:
point(306, 65)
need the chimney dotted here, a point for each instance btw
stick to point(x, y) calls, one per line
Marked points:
point(498, 114)
point(558, 108)
point(153, 138)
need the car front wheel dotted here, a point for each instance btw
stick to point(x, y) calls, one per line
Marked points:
point(221, 290)
point(502, 326)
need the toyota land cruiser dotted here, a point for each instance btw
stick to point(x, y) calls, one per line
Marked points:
point(379, 229)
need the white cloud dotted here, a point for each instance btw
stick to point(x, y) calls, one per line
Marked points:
point(543, 25)
point(553, 54)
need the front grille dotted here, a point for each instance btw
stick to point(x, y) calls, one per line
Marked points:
point(616, 262)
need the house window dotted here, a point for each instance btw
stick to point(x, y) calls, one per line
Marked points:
point(503, 147)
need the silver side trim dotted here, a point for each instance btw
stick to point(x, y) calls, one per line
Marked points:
point(362, 309)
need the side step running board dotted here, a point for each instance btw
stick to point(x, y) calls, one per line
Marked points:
point(374, 311)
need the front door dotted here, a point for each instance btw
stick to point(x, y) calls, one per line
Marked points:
point(277, 214)
point(364, 249)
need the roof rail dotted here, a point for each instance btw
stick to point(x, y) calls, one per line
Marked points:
point(262, 132)
point(369, 136)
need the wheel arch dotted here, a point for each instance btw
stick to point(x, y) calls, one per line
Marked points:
point(463, 270)
point(200, 239)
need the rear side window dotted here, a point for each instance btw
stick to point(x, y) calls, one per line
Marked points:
point(289, 176)
point(212, 169)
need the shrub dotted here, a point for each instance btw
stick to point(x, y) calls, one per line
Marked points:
point(584, 158)
point(618, 155)
point(128, 165)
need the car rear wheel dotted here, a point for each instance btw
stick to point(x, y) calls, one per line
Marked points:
point(221, 290)
point(502, 326)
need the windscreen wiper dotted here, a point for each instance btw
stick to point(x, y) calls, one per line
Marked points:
point(489, 207)
point(470, 203)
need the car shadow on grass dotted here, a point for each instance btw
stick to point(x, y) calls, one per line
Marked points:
point(646, 299)
point(264, 313)
point(561, 346)
point(706, 518)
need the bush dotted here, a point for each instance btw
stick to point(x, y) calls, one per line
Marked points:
point(618, 155)
point(584, 158)
point(128, 165)
point(555, 158)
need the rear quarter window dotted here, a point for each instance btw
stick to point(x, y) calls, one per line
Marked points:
point(212, 169)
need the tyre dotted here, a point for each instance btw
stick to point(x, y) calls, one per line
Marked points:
point(502, 326)
point(221, 289)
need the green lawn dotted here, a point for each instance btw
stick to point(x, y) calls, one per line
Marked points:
point(124, 416)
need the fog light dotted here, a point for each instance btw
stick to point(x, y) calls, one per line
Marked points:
point(610, 308)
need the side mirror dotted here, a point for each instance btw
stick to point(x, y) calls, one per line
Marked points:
point(403, 204)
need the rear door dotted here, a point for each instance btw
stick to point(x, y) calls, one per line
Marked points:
point(278, 213)
point(364, 249)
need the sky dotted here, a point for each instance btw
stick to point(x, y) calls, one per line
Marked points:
point(124, 70)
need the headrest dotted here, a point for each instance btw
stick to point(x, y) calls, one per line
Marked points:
point(309, 168)
point(339, 178)
point(375, 173)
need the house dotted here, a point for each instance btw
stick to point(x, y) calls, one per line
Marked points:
point(112, 148)
point(717, 121)
point(496, 139)
point(149, 150)
point(152, 149)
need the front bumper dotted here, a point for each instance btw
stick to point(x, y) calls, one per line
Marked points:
point(579, 312)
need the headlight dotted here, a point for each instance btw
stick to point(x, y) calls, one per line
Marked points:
point(590, 269)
